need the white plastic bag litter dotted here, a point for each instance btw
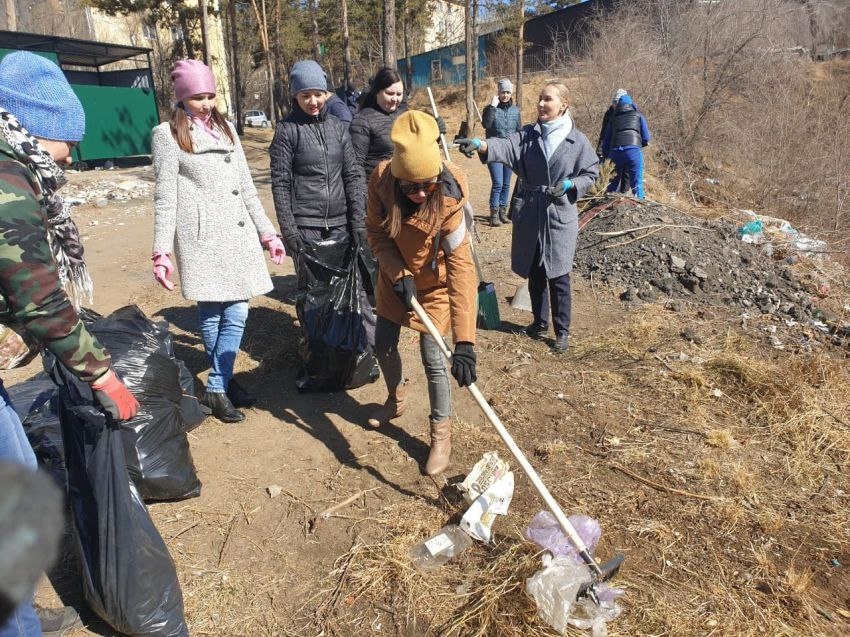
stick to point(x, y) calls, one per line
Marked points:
point(555, 587)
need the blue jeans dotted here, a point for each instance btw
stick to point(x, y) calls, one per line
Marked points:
point(500, 192)
point(14, 447)
point(628, 161)
point(222, 326)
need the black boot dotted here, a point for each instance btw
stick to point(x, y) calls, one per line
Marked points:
point(494, 217)
point(503, 214)
point(239, 396)
point(221, 407)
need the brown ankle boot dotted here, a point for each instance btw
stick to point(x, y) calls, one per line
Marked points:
point(441, 447)
point(392, 408)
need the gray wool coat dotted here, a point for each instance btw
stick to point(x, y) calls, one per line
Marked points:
point(537, 217)
point(208, 215)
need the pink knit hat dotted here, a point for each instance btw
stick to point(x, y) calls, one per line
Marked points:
point(191, 77)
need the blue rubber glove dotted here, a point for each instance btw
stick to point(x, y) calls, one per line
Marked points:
point(468, 146)
point(560, 189)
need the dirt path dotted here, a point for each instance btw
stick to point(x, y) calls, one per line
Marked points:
point(250, 565)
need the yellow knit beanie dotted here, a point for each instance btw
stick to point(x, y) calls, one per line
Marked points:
point(417, 154)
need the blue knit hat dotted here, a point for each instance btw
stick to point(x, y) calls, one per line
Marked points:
point(625, 100)
point(35, 91)
point(307, 75)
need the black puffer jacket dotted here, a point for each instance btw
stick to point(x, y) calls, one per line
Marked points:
point(316, 181)
point(370, 134)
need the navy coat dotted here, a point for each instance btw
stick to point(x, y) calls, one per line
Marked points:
point(538, 218)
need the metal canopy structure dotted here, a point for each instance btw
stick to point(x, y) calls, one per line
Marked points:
point(70, 51)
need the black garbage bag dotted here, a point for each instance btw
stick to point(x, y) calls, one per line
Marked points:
point(37, 402)
point(129, 579)
point(156, 447)
point(335, 352)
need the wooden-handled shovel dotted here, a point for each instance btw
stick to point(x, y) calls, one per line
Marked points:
point(598, 573)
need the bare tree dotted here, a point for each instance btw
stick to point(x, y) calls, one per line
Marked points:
point(262, 21)
point(470, 71)
point(346, 45)
point(389, 34)
point(11, 15)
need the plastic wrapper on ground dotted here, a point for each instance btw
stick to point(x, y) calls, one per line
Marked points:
point(555, 588)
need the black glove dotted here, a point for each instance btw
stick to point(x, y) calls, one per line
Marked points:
point(294, 244)
point(463, 364)
point(468, 146)
point(405, 289)
point(441, 125)
point(358, 236)
point(560, 189)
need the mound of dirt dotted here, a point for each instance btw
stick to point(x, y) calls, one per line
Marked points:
point(650, 252)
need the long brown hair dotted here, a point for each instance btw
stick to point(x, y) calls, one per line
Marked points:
point(180, 124)
point(429, 210)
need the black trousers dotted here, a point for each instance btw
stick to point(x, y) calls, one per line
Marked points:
point(559, 298)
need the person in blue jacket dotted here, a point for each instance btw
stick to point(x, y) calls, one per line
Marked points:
point(501, 118)
point(624, 139)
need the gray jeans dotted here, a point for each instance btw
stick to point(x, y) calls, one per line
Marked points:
point(386, 351)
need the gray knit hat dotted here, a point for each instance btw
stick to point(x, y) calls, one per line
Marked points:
point(618, 94)
point(35, 91)
point(307, 75)
point(505, 85)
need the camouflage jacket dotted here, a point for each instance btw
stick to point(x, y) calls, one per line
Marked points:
point(30, 292)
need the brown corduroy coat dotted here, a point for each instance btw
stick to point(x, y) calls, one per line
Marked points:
point(449, 294)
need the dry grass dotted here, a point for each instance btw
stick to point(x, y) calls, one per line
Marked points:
point(739, 441)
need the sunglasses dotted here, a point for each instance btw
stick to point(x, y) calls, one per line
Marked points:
point(414, 187)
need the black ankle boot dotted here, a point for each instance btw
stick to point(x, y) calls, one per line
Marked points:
point(239, 396)
point(221, 407)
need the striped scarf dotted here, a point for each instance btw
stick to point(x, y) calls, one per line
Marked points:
point(62, 232)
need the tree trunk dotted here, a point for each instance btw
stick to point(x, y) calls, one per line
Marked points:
point(389, 34)
point(470, 71)
point(262, 20)
point(475, 56)
point(234, 65)
point(314, 30)
point(11, 15)
point(186, 32)
point(204, 36)
point(346, 46)
point(520, 48)
point(408, 63)
point(280, 93)
point(814, 30)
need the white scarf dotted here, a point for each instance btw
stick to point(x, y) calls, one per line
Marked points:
point(555, 132)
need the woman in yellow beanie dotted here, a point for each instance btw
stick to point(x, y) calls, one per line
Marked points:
point(416, 229)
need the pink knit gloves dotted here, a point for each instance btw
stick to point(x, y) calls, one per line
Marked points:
point(274, 245)
point(162, 270)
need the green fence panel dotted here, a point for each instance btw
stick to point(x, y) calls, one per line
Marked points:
point(45, 54)
point(118, 121)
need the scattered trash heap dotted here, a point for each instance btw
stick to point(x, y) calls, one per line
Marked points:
point(104, 192)
point(649, 252)
point(564, 589)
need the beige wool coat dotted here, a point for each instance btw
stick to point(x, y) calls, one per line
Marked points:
point(209, 217)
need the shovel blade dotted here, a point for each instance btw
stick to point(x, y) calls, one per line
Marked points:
point(521, 300)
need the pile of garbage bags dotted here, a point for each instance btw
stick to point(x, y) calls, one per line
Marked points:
point(109, 469)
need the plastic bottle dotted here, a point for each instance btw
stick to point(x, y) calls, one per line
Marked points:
point(438, 549)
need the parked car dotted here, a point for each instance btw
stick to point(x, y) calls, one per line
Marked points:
point(256, 118)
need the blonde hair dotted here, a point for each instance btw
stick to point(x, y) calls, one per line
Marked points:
point(563, 91)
